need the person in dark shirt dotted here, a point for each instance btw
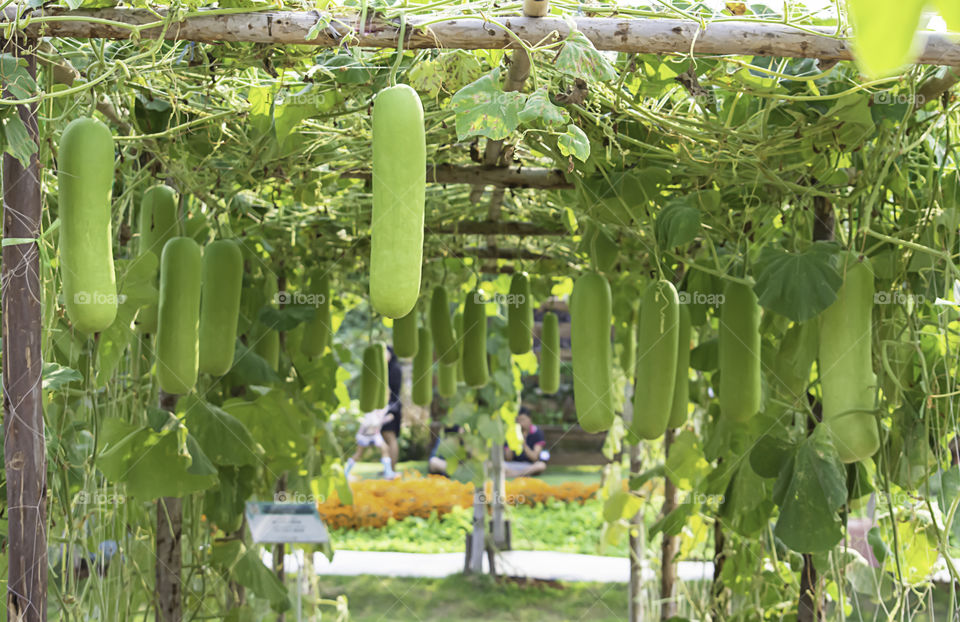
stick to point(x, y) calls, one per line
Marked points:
point(391, 428)
point(532, 459)
point(437, 464)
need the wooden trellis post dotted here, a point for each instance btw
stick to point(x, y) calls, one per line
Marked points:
point(23, 443)
point(168, 589)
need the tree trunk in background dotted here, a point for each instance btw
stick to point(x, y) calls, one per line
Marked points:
point(280, 549)
point(718, 607)
point(810, 606)
point(23, 443)
point(169, 591)
point(670, 545)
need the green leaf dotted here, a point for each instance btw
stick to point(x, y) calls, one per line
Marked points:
point(884, 34)
point(621, 505)
point(152, 464)
point(245, 567)
point(483, 109)
point(224, 503)
point(574, 143)
point(746, 505)
point(288, 318)
point(224, 439)
point(580, 59)
point(539, 106)
point(276, 424)
point(798, 285)
point(19, 144)
point(16, 79)
point(811, 488)
point(56, 376)
point(678, 223)
point(685, 464)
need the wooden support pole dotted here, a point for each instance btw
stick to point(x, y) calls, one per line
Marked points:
point(634, 35)
point(670, 545)
point(503, 176)
point(169, 591)
point(636, 536)
point(25, 458)
point(498, 518)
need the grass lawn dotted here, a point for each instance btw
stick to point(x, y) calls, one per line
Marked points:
point(476, 598)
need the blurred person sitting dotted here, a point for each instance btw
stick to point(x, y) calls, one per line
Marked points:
point(533, 455)
point(437, 465)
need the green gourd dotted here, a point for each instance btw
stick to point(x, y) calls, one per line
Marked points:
point(220, 306)
point(447, 380)
point(628, 355)
point(656, 379)
point(549, 373)
point(441, 328)
point(373, 378)
point(847, 381)
point(520, 315)
point(158, 223)
point(422, 392)
point(476, 372)
point(739, 353)
point(399, 182)
point(85, 180)
point(680, 410)
point(590, 316)
point(317, 330)
point(178, 319)
point(405, 339)
point(458, 329)
point(267, 340)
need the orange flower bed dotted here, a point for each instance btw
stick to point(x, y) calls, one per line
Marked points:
point(377, 501)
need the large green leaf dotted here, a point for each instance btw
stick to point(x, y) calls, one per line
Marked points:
point(246, 568)
point(574, 142)
point(579, 58)
point(152, 464)
point(798, 285)
point(540, 107)
point(677, 223)
point(224, 503)
point(222, 437)
point(277, 425)
point(811, 488)
point(884, 34)
point(484, 109)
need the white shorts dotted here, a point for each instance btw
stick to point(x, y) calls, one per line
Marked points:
point(370, 440)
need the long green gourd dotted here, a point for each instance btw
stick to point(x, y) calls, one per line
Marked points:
point(220, 305)
point(317, 331)
point(399, 182)
point(520, 315)
point(680, 409)
point(266, 339)
point(85, 181)
point(847, 381)
point(458, 330)
point(158, 223)
point(422, 392)
point(405, 335)
point(739, 353)
point(178, 319)
point(447, 380)
point(441, 328)
point(590, 314)
point(549, 373)
point(476, 372)
point(372, 378)
point(656, 379)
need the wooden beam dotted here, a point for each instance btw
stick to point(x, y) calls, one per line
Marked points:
point(491, 227)
point(25, 456)
point(507, 177)
point(636, 35)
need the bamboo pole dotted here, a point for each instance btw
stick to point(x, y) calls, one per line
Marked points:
point(633, 35)
point(671, 544)
point(506, 177)
point(25, 460)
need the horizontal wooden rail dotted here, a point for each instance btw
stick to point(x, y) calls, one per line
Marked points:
point(637, 35)
point(493, 227)
point(507, 177)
